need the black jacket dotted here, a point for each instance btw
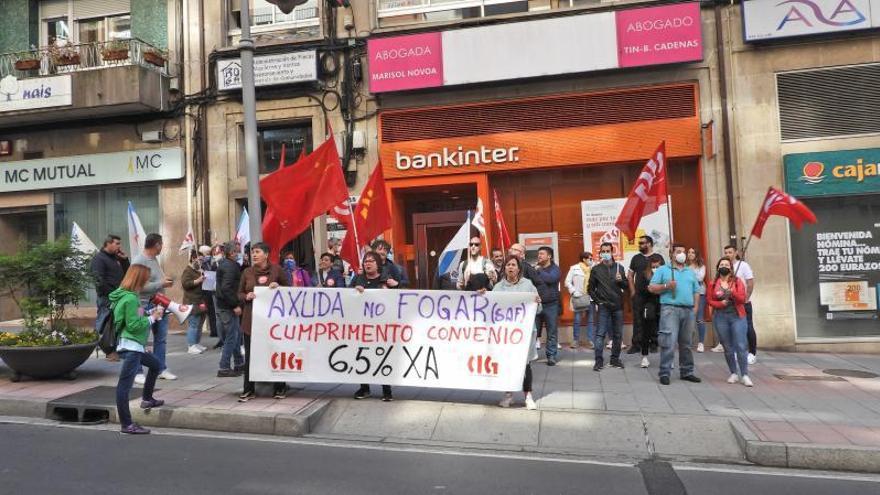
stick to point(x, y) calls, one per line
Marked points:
point(532, 274)
point(108, 271)
point(333, 274)
point(604, 289)
point(228, 278)
point(394, 271)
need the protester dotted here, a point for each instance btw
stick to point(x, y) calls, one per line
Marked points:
point(607, 285)
point(549, 273)
point(334, 246)
point(208, 293)
point(133, 329)
point(228, 311)
point(497, 257)
point(695, 262)
point(191, 280)
point(446, 281)
point(108, 267)
point(727, 296)
point(395, 275)
point(261, 273)
point(157, 284)
point(217, 254)
point(584, 311)
point(677, 285)
point(637, 267)
point(513, 281)
point(530, 273)
point(297, 276)
point(476, 272)
point(650, 307)
point(371, 278)
point(328, 274)
point(744, 272)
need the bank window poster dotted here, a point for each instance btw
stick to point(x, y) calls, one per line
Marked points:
point(598, 223)
point(836, 268)
point(533, 242)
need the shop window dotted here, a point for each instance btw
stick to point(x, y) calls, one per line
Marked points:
point(266, 16)
point(401, 12)
point(295, 138)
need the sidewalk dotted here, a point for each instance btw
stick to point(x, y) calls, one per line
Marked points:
point(796, 415)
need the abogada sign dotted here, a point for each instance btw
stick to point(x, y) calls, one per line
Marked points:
point(456, 157)
point(91, 170)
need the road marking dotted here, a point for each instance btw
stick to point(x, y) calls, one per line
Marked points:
point(786, 472)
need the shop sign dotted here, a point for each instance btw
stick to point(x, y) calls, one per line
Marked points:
point(270, 70)
point(30, 94)
point(833, 173)
point(458, 157)
point(775, 19)
point(598, 217)
point(91, 170)
point(627, 38)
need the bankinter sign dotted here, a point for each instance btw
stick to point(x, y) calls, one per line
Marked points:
point(456, 157)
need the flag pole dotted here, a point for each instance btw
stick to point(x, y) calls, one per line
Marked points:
point(671, 230)
point(749, 239)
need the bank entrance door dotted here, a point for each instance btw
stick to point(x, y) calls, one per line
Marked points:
point(433, 231)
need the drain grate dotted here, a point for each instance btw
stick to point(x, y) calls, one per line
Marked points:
point(90, 406)
point(809, 378)
point(850, 373)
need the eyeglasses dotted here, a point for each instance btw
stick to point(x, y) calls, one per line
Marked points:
point(475, 244)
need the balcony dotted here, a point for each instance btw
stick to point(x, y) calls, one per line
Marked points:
point(114, 78)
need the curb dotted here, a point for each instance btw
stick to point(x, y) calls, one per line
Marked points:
point(805, 456)
point(26, 408)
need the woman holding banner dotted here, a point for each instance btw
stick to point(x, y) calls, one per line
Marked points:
point(371, 278)
point(261, 273)
point(513, 281)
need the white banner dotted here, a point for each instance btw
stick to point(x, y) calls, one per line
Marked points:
point(39, 92)
point(598, 219)
point(269, 70)
point(419, 338)
point(91, 170)
point(771, 19)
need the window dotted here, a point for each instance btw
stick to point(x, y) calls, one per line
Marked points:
point(400, 12)
point(92, 21)
point(296, 139)
point(265, 14)
point(58, 30)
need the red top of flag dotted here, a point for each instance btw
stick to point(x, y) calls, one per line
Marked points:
point(646, 195)
point(371, 217)
point(779, 203)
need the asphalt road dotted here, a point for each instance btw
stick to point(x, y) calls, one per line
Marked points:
point(57, 460)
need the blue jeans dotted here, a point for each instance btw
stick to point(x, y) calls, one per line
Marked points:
point(550, 317)
point(675, 328)
point(610, 321)
point(131, 366)
point(230, 328)
point(194, 330)
point(579, 316)
point(732, 331)
point(701, 324)
point(103, 305)
point(160, 336)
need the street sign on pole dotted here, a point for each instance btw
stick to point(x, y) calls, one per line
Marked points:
point(249, 102)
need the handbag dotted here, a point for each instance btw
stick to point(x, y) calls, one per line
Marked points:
point(580, 303)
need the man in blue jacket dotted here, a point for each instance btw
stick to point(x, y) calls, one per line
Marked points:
point(328, 274)
point(549, 273)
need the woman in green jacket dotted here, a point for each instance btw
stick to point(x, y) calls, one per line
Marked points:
point(133, 328)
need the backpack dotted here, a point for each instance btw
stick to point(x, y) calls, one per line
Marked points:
point(108, 338)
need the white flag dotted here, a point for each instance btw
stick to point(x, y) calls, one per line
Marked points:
point(243, 234)
point(189, 241)
point(136, 234)
point(80, 241)
point(452, 253)
point(478, 221)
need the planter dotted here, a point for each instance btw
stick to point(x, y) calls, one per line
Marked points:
point(68, 60)
point(46, 362)
point(155, 59)
point(111, 55)
point(29, 64)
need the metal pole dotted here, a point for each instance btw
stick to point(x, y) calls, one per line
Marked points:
point(249, 102)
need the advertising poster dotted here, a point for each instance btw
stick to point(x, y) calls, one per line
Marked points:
point(533, 242)
point(598, 222)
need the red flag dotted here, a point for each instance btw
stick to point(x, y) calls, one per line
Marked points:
point(647, 194)
point(778, 203)
point(371, 217)
point(272, 231)
point(295, 195)
point(503, 234)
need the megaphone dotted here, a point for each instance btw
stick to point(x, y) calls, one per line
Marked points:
point(181, 311)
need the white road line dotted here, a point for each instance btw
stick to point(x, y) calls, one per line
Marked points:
point(785, 472)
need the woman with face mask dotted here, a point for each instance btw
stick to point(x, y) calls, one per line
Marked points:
point(695, 263)
point(191, 280)
point(727, 297)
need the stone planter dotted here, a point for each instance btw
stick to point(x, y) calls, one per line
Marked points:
point(155, 59)
point(62, 61)
point(46, 362)
point(113, 55)
point(27, 64)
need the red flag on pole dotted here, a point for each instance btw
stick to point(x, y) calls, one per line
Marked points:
point(371, 217)
point(779, 203)
point(503, 234)
point(646, 195)
point(295, 195)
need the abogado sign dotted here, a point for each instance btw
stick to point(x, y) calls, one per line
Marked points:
point(270, 70)
point(90, 170)
point(773, 19)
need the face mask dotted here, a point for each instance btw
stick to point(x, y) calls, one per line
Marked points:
point(217, 257)
point(680, 258)
point(289, 264)
point(724, 271)
point(605, 256)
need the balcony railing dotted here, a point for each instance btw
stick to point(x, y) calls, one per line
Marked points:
point(70, 58)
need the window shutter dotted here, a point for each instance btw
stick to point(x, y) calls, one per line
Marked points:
point(53, 8)
point(85, 9)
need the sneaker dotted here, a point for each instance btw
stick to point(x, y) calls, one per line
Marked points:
point(691, 378)
point(733, 378)
point(538, 345)
point(227, 373)
point(280, 393)
point(664, 380)
point(167, 375)
point(362, 393)
point(140, 379)
point(645, 362)
point(747, 381)
point(752, 358)
point(194, 349)
point(149, 404)
point(246, 396)
point(598, 366)
point(700, 347)
point(608, 345)
point(551, 361)
point(531, 405)
point(718, 348)
point(616, 363)
point(506, 401)
point(387, 397)
point(203, 348)
point(134, 429)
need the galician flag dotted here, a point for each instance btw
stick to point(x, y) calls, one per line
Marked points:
point(243, 234)
point(479, 222)
point(189, 241)
point(136, 234)
point(452, 253)
point(81, 242)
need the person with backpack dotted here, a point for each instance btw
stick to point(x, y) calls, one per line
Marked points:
point(108, 266)
point(606, 287)
point(134, 328)
point(476, 272)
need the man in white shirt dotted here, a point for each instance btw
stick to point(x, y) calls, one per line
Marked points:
point(476, 272)
point(744, 272)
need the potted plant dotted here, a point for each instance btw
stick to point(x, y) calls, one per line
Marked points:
point(63, 54)
point(115, 50)
point(29, 60)
point(44, 281)
point(155, 57)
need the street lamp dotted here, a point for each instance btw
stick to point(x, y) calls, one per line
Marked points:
point(249, 104)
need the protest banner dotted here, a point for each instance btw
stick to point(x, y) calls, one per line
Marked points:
point(448, 339)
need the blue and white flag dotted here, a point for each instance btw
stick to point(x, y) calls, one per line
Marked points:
point(136, 234)
point(452, 253)
point(80, 241)
point(243, 233)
